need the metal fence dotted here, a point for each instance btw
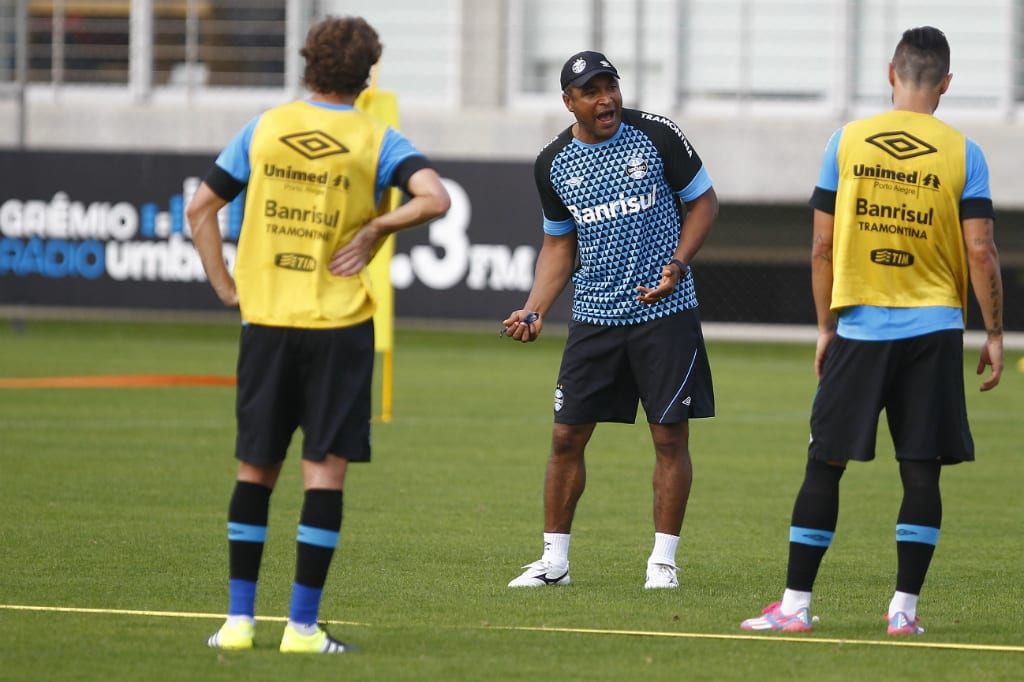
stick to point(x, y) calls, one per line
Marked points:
point(152, 43)
point(816, 53)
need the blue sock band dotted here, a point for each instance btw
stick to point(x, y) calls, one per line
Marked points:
point(241, 597)
point(244, 532)
point(305, 604)
point(810, 536)
point(318, 537)
point(908, 532)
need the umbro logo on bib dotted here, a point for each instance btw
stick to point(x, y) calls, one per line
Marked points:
point(314, 144)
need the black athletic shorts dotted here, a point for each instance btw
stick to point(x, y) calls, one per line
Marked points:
point(318, 380)
point(607, 369)
point(919, 382)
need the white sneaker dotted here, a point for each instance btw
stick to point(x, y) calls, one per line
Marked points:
point(541, 573)
point(661, 577)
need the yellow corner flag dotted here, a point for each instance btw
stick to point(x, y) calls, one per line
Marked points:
point(383, 106)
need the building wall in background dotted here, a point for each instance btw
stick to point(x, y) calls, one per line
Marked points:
point(758, 85)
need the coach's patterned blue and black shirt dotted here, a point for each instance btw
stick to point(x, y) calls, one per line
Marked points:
point(622, 199)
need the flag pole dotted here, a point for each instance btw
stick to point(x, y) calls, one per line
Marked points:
point(384, 107)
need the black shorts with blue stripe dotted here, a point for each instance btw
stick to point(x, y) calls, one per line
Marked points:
point(662, 364)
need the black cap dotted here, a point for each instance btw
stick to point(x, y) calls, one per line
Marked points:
point(583, 66)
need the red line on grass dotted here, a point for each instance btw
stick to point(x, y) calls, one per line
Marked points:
point(119, 381)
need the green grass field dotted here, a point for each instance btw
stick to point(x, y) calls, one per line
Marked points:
point(113, 505)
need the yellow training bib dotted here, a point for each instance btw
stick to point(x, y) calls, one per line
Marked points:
point(898, 241)
point(311, 189)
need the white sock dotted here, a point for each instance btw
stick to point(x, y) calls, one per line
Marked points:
point(664, 551)
point(903, 602)
point(235, 620)
point(794, 600)
point(304, 628)
point(556, 548)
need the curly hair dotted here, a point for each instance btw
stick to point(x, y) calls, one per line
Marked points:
point(339, 54)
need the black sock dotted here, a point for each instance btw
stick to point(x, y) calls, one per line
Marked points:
point(918, 523)
point(813, 523)
point(319, 526)
point(247, 528)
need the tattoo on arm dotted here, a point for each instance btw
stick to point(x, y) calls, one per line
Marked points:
point(823, 249)
point(997, 306)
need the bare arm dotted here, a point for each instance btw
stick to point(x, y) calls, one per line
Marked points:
point(429, 199)
point(821, 284)
point(700, 216)
point(987, 283)
point(202, 219)
point(554, 267)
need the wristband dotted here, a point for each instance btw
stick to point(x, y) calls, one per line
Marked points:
point(683, 267)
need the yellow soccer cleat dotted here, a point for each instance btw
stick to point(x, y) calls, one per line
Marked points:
point(233, 637)
point(320, 642)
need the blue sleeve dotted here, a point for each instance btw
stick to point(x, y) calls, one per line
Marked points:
point(235, 157)
point(828, 177)
point(700, 184)
point(976, 184)
point(558, 228)
point(393, 151)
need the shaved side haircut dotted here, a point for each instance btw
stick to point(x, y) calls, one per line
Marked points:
point(922, 57)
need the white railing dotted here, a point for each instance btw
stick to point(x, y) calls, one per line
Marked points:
point(734, 56)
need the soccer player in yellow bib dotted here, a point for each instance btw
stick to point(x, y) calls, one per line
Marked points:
point(903, 218)
point(314, 172)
